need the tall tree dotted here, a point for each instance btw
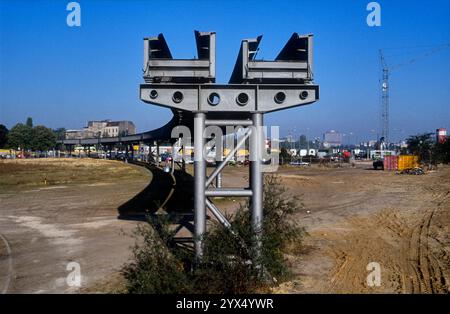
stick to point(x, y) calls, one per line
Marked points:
point(421, 145)
point(19, 137)
point(3, 135)
point(284, 156)
point(442, 151)
point(60, 133)
point(43, 138)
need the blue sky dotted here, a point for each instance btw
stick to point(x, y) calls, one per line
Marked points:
point(63, 76)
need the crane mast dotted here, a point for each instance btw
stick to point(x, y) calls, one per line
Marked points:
point(384, 99)
point(385, 72)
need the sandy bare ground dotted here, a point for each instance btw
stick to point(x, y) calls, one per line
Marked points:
point(45, 227)
point(354, 217)
point(360, 216)
point(357, 216)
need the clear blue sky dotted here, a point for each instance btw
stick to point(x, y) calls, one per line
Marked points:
point(63, 77)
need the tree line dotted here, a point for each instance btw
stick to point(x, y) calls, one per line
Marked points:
point(25, 136)
point(428, 149)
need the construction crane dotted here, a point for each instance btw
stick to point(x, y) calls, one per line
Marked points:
point(384, 99)
point(385, 72)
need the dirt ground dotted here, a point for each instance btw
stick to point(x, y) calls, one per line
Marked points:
point(72, 218)
point(359, 216)
point(354, 216)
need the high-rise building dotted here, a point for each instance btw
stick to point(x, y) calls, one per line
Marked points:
point(332, 138)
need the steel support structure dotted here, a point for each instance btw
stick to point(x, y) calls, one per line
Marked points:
point(385, 105)
point(199, 185)
point(256, 177)
point(203, 193)
point(186, 86)
point(384, 99)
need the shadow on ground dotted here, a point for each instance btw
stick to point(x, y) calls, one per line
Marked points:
point(172, 193)
point(167, 194)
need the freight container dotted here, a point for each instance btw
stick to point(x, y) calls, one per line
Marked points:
point(390, 163)
point(407, 162)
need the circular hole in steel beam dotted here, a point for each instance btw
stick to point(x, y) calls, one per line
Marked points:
point(214, 99)
point(177, 97)
point(153, 94)
point(280, 97)
point(304, 95)
point(242, 99)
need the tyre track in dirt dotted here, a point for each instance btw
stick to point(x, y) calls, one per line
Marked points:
point(364, 245)
point(429, 271)
point(409, 267)
point(410, 241)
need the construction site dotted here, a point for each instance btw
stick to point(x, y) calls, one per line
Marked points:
point(219, 198)
point(354, 215)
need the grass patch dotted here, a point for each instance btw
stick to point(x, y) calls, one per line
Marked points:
point(28, 173)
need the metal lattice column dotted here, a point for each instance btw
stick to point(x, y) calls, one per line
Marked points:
point(255, 87)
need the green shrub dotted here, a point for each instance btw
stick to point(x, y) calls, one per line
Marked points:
point(154, 268)
point(230, 263)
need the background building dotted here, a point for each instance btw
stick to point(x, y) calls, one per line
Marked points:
point(119, 128)
point(97, 126)
point(441, 135)
point(332, 139)
point(103, 128)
